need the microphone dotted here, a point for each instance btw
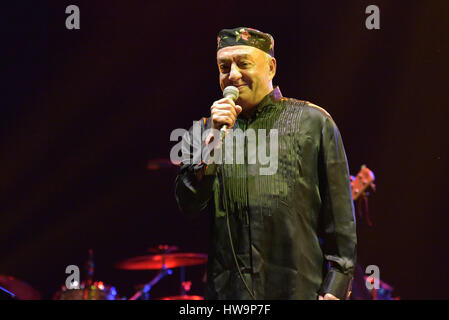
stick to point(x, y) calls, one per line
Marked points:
point(232, 93)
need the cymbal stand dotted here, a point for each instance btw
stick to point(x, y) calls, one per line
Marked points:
point(145, 291)
point(183, 279)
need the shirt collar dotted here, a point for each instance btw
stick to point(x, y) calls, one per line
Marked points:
point(274, 96)
point(269, 100)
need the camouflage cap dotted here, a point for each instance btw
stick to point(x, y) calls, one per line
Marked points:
point(247, 37)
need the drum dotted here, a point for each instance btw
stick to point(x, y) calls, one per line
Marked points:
point(97, 291)
point(14, 288)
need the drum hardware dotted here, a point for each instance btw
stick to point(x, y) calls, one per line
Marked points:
point(185, 285)
point(145, 291)
point(6, 295)
point(90, 269)
point(164, 260)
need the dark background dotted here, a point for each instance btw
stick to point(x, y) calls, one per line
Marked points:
point(84, 111)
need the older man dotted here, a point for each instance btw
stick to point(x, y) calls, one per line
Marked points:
point(289, 234)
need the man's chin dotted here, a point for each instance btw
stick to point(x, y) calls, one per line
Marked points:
point(244, 98)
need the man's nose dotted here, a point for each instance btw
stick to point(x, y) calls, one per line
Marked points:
point(235, 73)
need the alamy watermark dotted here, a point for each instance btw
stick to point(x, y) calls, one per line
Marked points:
point(373, 20)
point(73, 280)
point(234, 147)
point(372, 281)
point(73, 20)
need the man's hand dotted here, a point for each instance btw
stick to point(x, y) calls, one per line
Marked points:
point(224, 112)
point(328, 296)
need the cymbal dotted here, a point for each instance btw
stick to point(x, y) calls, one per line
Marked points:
point(21, 289)
point(158, 261)
point(183, 297)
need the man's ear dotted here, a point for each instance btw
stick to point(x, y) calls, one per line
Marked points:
point(272, 64)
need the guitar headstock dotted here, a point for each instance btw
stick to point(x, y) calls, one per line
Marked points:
point(359, 187)
point(361, 182)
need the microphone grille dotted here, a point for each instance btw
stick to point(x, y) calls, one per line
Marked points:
point(231, 92)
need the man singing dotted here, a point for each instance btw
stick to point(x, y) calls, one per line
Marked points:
point(288, 233)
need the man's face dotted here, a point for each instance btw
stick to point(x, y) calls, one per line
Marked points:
point(249, 69)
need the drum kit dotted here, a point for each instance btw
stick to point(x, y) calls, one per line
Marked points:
point(162, 259)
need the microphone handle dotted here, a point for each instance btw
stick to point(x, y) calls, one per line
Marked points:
point(223, 132)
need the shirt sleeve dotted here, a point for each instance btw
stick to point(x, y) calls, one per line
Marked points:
point(194, 182)
point(337, 215)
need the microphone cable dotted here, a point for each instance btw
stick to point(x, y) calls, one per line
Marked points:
point(229, 228)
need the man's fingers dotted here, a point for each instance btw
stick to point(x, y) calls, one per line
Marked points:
point(224, 108)
point(238, 109)
point(225, 100)
point(223, 120)
point(224, 113)
point(329, 296)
